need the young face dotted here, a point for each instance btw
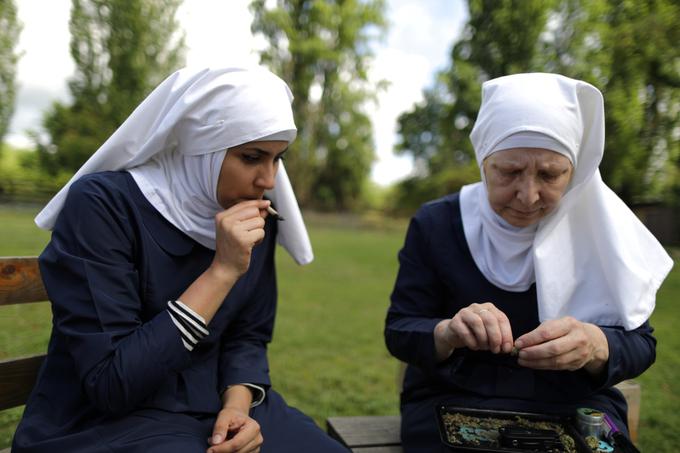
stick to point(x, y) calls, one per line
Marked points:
point(526, 184)
point(248, 170)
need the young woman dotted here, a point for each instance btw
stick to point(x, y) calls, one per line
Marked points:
point(161, 276)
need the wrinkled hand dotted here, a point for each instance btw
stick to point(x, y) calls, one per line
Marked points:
point(238, 230)
point(564, 344)
point(477, 327)
point(235, 431)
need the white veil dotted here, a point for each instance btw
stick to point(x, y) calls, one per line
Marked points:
point(192, 114)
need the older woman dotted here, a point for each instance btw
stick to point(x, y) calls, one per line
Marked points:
point(539, 256)
point(160, 271)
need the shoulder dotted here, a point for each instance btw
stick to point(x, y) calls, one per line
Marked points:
point(95, 199)
point(441, 211)
point(102, 184)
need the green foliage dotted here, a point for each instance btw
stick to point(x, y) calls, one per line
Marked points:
point(122, 49)
point(22, 179)
point(10, 28)
point(413, 192)
point(628, 49)
point(635, 60)
point(321, 48)
point(501, 37)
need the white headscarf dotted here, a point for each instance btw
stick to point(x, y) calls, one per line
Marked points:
point(174, 143)
point(591, 258)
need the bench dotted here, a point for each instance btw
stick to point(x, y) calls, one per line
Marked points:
point(380, 434)
point(20, 283)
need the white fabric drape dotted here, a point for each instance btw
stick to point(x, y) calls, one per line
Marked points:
point(591, 258)
point(174, 144)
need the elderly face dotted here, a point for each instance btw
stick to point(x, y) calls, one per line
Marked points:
point(526, 184)
point(248, 170)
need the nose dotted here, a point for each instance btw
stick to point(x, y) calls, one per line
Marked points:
point(266, 176)
point(528, 192)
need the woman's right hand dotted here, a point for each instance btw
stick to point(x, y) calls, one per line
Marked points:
point(235, 432)
point(480, 327)
point(238, 230)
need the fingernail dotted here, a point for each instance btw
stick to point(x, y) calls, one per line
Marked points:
point(217, 438)
point(519, 344)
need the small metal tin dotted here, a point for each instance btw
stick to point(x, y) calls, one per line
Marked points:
point(589, 422)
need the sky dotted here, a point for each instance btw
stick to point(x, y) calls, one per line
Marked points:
point(416, 45)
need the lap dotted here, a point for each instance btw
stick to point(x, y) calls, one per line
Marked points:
point(286, 429)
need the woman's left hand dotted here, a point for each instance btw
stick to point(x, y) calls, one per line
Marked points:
point(564, 344)
point(235, 431)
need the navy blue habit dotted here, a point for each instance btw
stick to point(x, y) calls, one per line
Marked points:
point(117, 377)
point(438, 277)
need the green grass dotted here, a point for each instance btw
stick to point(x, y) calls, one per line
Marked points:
point(328, 355)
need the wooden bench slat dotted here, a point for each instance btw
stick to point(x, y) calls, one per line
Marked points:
point(393, 449)
point(631, 391)
point(17, 378)
point(20, 281)
point(365, 431)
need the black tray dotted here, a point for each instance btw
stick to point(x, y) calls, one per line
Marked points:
point(486, 440)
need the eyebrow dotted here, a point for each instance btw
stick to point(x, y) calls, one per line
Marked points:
point(557, 166)
point(264, 151)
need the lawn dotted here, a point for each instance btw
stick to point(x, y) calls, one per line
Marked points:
point(328, 356)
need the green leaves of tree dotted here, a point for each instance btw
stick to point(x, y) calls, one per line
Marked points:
point(627, 48)
point(322, 49)
point(9, 37)
point(121, 49)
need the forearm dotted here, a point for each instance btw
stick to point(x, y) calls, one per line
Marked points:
point(238, 397)
point(630, 352)
point(206, 294)
point(411, 340)
point(134, 367)
point(443, 343)
point(600, 351)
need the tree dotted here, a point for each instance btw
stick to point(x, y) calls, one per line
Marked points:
point(321, 48)
point(501, 37)
point(626, 48)
point(122, 49)
point(10, 28)
point(636, 63)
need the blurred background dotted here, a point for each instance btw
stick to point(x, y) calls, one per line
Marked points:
point(386, 93)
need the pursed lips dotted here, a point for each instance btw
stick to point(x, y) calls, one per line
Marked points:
point(526, 213)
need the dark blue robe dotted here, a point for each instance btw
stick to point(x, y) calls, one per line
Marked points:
point(117, 377)
point(438, 277)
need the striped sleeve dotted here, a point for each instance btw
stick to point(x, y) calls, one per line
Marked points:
point(191, 326)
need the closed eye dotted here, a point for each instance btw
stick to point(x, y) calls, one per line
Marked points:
point(250, 158)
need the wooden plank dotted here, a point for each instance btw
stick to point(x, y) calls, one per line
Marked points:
point(631, 391)
point(17, 378)
point(20, 280)
point(365, 431)
point(393, 449)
